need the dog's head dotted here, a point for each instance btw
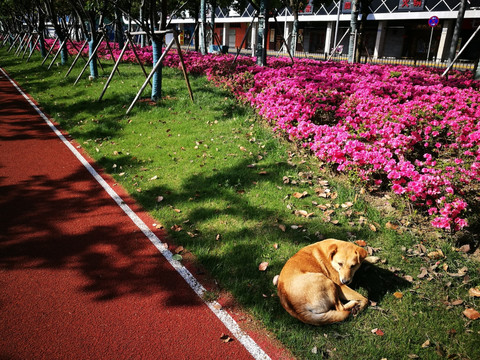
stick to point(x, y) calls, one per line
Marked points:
point(346, 258)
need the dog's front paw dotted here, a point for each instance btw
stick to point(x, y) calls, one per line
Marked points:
point(356, 309)
point(352, 304)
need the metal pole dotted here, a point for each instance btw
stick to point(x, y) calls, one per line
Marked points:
point(33, 48)
point(58, 52)
point(49, 51)
point(13, 43)
point(184, 68)
point(337, 45)
point(77, 57)
point(461, 50)
point(132, 43)
point(114, 68)
point(338, 21)
point(26, 45)
point(430, 44)
point(89, 59)
point(20, 45)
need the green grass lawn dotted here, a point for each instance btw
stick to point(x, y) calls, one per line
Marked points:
point(235, 195)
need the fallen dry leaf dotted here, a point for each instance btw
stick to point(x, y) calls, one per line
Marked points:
point(423, 273)
point(461, 272)
point(300, 195)
point(372, 227)
point(465, 248)
point(303, 213)
point(361, 242)
point(378, 332)
point(176, 228)
point(282, 227)
point(372, 259)
point(391, 226)
point(435, 255)
point(473, 292)
point(456, 302)
point(426, 344)
point(179, 249)
point(347, 205)
point(263, 266)
point(398, 295)
point(225, 338)
point(472, 314)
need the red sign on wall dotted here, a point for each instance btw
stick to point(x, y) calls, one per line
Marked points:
point(347, 7)
point(411, 5)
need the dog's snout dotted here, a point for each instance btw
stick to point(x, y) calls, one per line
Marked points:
point(345, 281)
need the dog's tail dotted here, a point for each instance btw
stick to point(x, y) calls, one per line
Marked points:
point(275, 280)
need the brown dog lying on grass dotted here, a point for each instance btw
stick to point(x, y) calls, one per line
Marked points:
point(312, 285)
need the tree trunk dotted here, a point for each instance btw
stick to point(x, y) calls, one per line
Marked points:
point(201, 28)
point(261, 49)
point(119, 28)
point(157, 77)
point(92, 44)
point(476, 71)
point(212, 20)
point(157, 42)
point(456, 31)
point(41, 33)
point(293, 40)
point(361, 44)
point(353, 32)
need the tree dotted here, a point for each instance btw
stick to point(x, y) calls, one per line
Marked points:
point(365, 10)
point(296, 7)
point(456, 31)
point(154, 23)
point(56, 12)
point(352, 45)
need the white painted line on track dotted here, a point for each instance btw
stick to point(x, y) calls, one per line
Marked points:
point(252, 347)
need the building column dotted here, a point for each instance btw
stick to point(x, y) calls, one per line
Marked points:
point(226, 29)
point(181, 33)
point(380, 40)
point(328, 38)
point(447, 32)
point(287, 34)
point(254, 37)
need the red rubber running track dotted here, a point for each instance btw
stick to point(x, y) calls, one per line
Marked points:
point(78, 278)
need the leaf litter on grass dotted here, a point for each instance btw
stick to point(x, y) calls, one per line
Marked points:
point(291, 231)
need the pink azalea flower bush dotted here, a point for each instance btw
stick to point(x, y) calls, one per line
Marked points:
point(400, 127)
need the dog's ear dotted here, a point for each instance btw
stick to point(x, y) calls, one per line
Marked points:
point(362, 254)
point(332, 250)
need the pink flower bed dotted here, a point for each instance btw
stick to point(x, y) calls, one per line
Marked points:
point(400, 127)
